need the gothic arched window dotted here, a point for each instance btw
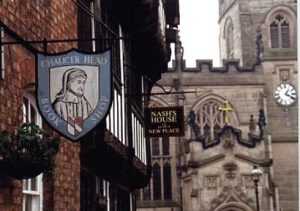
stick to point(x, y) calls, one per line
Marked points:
point(161, 185)
point(155, 146)
point(156, 182)
point(280, 32)
point(166, 145)
point(209, 118)
point(167, 181)
point(146, 193)
point(229, 41)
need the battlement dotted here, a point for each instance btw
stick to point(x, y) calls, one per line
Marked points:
point(207, 64)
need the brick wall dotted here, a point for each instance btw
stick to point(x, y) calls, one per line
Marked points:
point(67, 178)
point(10, 194)
point(36, 20)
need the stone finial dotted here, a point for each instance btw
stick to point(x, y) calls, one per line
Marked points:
point(178, 54)
point(251, 124)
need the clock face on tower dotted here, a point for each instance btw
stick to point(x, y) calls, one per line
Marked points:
point(285, 94)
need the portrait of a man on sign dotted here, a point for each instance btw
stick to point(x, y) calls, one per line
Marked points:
point(70, 102)
point(74, 91)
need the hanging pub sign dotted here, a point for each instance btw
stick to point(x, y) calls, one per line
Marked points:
point(164, 121)
point(74, 90)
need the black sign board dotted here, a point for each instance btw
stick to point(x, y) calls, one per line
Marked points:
point(164, 121)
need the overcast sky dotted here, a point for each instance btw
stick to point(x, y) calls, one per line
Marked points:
point(199, 30)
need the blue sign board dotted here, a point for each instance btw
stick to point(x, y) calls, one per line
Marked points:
point(74, 91)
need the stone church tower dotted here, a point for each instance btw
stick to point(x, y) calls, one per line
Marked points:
point(238, 116)
point(275, 21)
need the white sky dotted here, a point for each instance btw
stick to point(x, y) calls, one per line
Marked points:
point(199, 30)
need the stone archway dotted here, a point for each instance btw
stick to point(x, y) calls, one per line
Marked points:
point(233, 206)
point(232, 199)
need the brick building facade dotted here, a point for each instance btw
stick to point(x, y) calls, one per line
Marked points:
point(82, 178)
point(36, 20)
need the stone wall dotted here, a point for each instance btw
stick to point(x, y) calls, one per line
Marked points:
point(285, 156)
point(247, 17)
point(247, 92)
point(282, 123)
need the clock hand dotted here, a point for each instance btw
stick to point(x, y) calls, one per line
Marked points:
point(286, 93)
point(290, 96)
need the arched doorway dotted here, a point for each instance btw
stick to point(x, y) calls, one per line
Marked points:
point(233, 206)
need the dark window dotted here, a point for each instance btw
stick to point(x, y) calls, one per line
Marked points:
point(33, 113)
point(87, 191)
point(280, 32)
point(156, 182)
point(138, 195)
point(166, 145)
point(206, 129)
point(217, 128)
point(155, 146)
point(285, 34)
point(146, 193)
point(167, 181)
point(91, 191)
point(274, 35)
point(123, 200)
point(136, 89)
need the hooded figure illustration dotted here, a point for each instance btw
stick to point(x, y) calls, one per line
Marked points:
point(70, 102)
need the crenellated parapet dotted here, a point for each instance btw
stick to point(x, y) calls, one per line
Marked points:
point(207, 64)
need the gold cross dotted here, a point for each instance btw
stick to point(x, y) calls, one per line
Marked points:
point(225, 111)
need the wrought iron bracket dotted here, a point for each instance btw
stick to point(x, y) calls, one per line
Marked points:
point(28, 43)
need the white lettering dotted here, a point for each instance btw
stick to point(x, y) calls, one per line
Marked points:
point(51, 116)
point(46, 108)
point(44, 100)
point(67, 60)
point(95, 60)
point(99, 113)
point(59, 61)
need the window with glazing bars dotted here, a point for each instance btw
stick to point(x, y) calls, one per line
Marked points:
point(32, 188)
point(280, 32)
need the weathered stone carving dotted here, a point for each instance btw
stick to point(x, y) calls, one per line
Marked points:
point(230, 169)
point(211, 182)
